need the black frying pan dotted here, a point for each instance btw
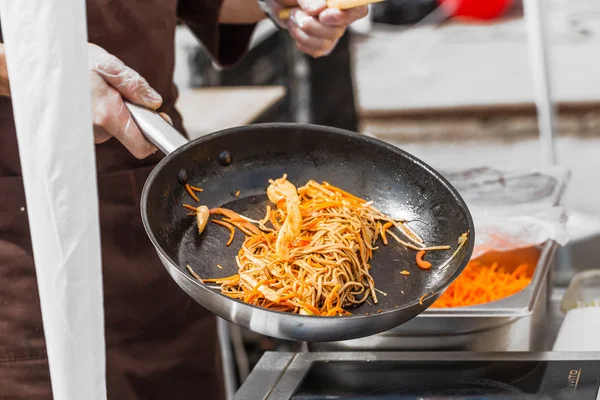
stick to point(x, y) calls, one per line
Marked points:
point(244, 159)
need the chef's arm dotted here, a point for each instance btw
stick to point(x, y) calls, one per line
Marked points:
point(4, 86)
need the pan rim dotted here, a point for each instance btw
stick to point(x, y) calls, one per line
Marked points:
point(332, 130)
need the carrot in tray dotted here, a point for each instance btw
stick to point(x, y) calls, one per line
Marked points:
point(481, 283)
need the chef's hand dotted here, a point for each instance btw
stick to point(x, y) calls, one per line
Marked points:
point(112, 81)
point(315, 28)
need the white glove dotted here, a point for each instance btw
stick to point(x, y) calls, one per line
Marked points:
point(315, 28)
point(111, 82)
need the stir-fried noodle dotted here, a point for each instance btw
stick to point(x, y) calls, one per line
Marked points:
point(310, 253)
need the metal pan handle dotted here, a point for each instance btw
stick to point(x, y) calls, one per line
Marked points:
point(158, 131)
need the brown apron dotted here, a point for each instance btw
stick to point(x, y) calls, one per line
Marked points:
point(160, 344)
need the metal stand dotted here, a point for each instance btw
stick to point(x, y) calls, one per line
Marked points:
point(229, 375)
point(534, 18)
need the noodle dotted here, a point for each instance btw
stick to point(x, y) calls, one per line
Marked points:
point(314, 258)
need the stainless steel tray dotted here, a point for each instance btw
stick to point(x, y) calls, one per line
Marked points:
point(279, 376)
point(510, 324)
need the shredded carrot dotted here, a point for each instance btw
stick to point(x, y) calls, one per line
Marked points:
point(228, 226)
point(196, 189)
point(237, 194)
point(228, 279)
point(194, 209)
point(405, 272)
point(422, 263)
point(191, 192)
point(384, 228)
point(480, 283)
point(422, 298)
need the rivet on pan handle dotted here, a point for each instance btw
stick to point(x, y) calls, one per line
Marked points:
point(158, 131)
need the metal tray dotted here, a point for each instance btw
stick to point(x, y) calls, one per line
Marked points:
point(514, 323)
point(369, 375)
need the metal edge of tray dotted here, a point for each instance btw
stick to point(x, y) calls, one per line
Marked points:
point(279, 379)
point(519, 305)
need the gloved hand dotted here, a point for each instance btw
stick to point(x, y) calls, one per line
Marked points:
point(112, 81)
point(315, 28)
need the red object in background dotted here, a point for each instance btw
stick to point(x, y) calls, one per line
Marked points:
point(477, 9)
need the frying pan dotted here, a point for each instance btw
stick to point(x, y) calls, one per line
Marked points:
point(244, 159)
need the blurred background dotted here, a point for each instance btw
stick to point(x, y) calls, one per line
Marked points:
point(458, 93)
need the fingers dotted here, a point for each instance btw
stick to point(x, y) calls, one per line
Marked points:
point(316, 28)
point(334, 17)
point(166, 117)
point(112, 119)
point(312, 7)
point(311, 36)
point(312, 27)
point(127, 82)
point(286, 3)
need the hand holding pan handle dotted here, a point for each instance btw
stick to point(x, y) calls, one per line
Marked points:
point(158, 131)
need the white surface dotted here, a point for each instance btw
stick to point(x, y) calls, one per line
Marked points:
point(209, 110)
point(47, 64)
point(479, 65)
point(579, 331)
point(186, 45)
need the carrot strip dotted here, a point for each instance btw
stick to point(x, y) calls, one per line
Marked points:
point(194, 209)
point(236, 220)
point(228, 226)
point(384, 228)
point(188, 188)
point(309, 308)
point(229, 280)
point(422, 263)
point(326, 204)
point(336, 311)
point(196, 189)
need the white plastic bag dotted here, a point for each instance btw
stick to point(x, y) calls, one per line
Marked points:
point(514, 209)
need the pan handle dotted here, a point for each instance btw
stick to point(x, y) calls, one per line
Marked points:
point(158, 131)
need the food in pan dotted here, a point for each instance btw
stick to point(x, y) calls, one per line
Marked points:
point(310, 253)
point(482, 283)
